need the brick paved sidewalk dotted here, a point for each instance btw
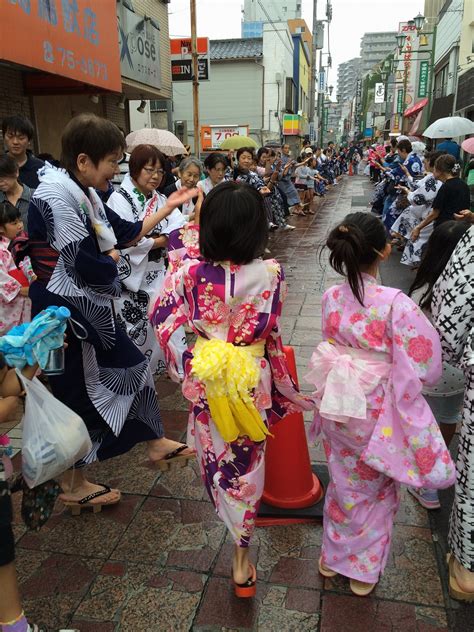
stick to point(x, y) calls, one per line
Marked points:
point(160, 560)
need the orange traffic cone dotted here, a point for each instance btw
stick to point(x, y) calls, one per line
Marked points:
point(290, 483)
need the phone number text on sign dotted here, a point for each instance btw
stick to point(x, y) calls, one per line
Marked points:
point(65, 58)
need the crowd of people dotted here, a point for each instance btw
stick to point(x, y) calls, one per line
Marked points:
point(141, 246)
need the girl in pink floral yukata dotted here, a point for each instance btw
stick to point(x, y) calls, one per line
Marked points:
point(378, 431)
point(236, 376)
point(15, 306)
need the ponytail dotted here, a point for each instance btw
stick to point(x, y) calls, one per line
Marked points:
point(355, 244)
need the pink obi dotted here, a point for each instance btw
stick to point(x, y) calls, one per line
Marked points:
point(343, 377)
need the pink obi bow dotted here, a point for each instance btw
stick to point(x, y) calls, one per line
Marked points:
point(343, 376)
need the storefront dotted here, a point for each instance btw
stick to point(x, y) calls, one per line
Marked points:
point(80, 56)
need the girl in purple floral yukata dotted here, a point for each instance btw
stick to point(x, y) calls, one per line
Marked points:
point(378, 351)
point(236, 376)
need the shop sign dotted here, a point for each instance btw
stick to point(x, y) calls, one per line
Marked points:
point(139, 48)
point(325, 118)
point(182, 62)
point(212, 136)
point(379, 96)
point(322, 82)
point(76, 39)
point(400, 99)
point(396, 124)
point(423, 79)
point(291, 125)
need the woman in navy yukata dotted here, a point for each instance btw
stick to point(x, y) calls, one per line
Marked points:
point(74, 242)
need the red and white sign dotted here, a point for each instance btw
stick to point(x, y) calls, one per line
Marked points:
point(212, 136)
point(181, 59)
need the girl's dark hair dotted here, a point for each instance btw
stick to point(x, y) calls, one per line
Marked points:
point(404, 145)
point(249, 150)
point(8, 213)
point(432, 156)
point(8, 167)
point(213, 160)
point(447, 164)
point(91, 135)
point(261, 151)
point(141, 156)
point(354, 244)
point(440, 247)
point(233, 224)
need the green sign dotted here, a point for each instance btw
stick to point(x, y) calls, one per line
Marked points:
point(400, 101)
point(325, 118)
point(423, 80)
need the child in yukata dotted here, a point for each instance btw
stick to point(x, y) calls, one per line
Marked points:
point(236, 375)
point(15, 306)
point(378, 351)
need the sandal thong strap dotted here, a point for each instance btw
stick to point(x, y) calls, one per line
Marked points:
point(248, 584)
point(171, 455)
point(102, 492)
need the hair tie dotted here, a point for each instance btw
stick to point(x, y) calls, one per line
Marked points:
point(457, 167)
point(343, 229)
point(380, 254)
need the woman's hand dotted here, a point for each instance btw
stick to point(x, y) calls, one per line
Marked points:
point(415, 234)
point(24, 291)
point(197, 206)
point(178, 198)
point(465, 216)
point(405, 190)
point(114, 254)
point(264, 191)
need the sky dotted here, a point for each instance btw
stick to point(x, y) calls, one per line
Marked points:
point(220, 19)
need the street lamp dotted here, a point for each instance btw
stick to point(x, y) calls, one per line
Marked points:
point(419, 21)
point(331, 88)
point(401, 37)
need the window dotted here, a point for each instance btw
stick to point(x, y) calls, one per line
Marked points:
point(441, 82)
point(290, 95)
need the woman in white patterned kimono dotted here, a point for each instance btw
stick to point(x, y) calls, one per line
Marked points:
point(453, 311)
point(421, 200)
point(142, 267)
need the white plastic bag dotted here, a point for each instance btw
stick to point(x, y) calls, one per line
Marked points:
point(54, 436)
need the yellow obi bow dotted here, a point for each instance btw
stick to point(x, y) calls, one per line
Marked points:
point(228, 374)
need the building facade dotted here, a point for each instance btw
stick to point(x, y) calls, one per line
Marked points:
point(464, 103)
point(258, 12)
point(260, 84)
point(374, 47)
point(446, 58)
point(347, 74)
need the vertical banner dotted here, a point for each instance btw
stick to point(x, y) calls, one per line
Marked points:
point(322, 82)
point(379, 96)
point(423, 79)
point(400, 101)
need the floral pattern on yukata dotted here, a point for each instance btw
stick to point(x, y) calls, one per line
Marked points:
point(399, 441)
point(241, 305)
point(14, 308)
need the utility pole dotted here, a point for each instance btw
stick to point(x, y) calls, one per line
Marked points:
point(194, 53)
point(312, 85)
